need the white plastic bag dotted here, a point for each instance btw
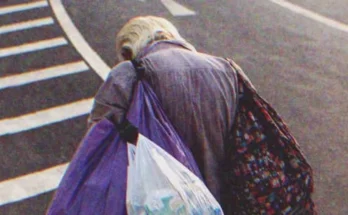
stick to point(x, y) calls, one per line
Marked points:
point(160, 185)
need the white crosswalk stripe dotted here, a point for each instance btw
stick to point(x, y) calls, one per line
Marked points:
point(30, 185)
point(34, 46)
point(36, 183)
point(26, 25)
point(22, 7)
point(43, 74)
point(177, 9)
point(45, 117)
point(93, 59)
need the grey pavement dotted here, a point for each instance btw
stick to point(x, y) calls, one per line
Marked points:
point(297, 64)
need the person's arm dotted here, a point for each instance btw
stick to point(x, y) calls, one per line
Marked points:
point(115, 94)
point(97, 113)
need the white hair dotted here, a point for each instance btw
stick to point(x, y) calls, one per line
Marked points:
point(138, 32)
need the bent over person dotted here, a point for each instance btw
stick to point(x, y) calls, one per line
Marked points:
point(210, 103)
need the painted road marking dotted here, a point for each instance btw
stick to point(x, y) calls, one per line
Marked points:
point(312, 15)
point(26, 25)
point(22, 7)
point(90, 56)
point(33, 184)
point(27, 186)
point(31, 47)
point(45, 117)
point(43, 74)
point(177, 9)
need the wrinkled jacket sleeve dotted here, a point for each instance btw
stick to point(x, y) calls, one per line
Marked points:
point(115, 94)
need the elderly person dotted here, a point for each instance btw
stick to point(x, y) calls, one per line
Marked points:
point(198, 92)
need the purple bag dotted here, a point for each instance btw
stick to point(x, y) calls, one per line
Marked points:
point(95, 181)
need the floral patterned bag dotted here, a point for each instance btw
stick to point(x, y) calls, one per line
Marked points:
point(266, 171)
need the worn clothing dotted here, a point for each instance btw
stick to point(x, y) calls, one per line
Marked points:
point(198, 93)
point(247, 156)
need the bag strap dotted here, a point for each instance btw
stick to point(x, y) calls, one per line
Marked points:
point(268, 110)
point(139, 68)
point(242, 76)
point(127, 130)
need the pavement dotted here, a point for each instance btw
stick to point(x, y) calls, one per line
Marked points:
point(297, 63)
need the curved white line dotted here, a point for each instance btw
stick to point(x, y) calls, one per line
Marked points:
point(17, 189)
point(33, 184)
point(90, 56)
point(312, 15)
point(20, 188)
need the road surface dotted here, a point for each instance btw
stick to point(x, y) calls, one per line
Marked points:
point(295, 52)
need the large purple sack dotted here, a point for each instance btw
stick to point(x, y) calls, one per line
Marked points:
point(95, 181)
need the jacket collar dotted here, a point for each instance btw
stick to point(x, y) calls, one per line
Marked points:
point(158, 45)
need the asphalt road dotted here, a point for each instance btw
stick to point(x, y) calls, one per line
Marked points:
point(298, 64)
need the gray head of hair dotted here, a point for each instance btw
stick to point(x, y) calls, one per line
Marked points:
point(140, 31)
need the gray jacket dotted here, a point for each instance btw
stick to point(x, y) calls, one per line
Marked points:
point(198, 93)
